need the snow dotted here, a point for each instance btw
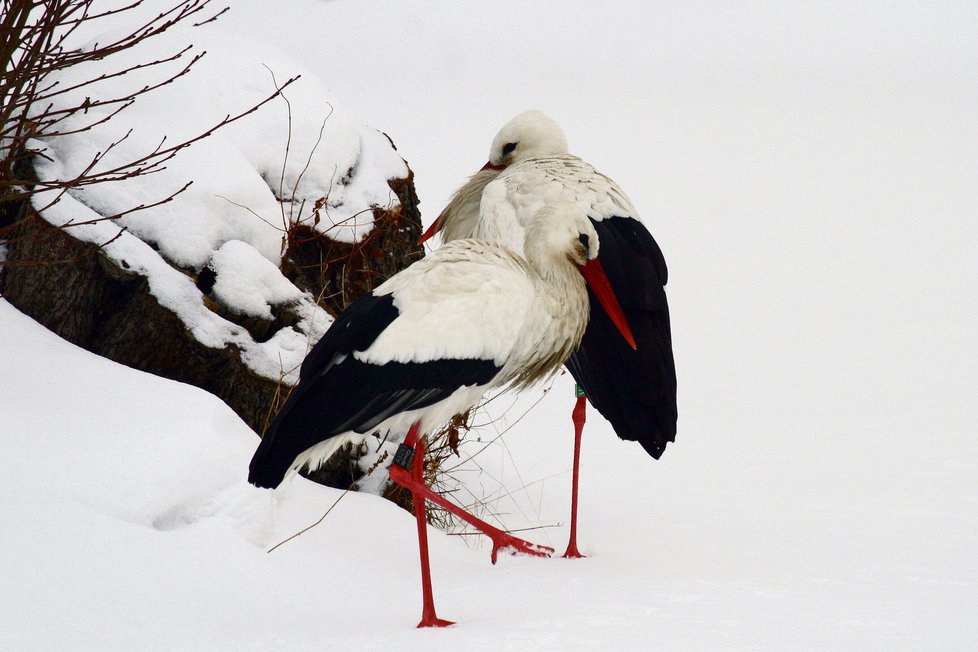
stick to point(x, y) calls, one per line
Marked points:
point(298, 149)
point(248, 281)
point(808, 171)
point(279, 357)
point(251, 179)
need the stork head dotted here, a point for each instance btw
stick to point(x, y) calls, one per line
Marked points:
point(561, 232)
point(558, 232)
point(531, 134)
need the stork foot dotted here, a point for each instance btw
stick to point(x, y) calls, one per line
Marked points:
point(572, 552)
point(500, 540)
point(434, 621)
point(515, 546)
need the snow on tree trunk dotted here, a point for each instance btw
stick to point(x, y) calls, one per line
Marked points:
point(76, 290)
point(338, 272)
point(197, 220)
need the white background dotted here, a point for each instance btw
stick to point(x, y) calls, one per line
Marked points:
point(810, 173)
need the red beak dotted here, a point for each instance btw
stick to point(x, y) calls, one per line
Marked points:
point(490, 166)
point(432, 230)
point(593, 273)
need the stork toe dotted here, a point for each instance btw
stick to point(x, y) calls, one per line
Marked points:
point(516, 546)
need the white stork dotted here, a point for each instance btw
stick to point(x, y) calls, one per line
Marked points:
point(429, 342)
point(529, 166)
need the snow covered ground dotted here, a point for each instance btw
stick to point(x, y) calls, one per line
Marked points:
point(810, 174)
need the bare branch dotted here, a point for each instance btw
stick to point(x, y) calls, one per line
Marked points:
point(213, 18)
point(106, 118)
point(36, 34)
point(312, 151)
point(145, 89)
point(250, 210)
point(43, 95)
point(128, 211)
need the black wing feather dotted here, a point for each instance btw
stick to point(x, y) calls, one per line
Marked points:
point(338, 393)
point(634, 389)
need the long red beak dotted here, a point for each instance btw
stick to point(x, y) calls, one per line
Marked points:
point(594, 274)
point(432, 230)
point(490, 166)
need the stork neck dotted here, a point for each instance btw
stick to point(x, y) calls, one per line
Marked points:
point(554, 329)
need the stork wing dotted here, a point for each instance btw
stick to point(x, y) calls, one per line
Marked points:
point(634, 389)
point(534, 182)
point(407, 345)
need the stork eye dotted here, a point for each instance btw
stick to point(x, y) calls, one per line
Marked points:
point(508, 148)
point(586, 242)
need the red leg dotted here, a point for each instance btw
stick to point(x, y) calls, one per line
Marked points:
point(579, 416)
point(500, 540)
point(428, 616)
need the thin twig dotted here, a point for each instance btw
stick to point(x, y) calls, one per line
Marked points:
point(309, 527)
point(373, 468)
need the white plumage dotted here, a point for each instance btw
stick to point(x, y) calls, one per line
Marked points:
point(529, 167)
point(486, 290)
point(491, 317)
point(429, 342)
point(522, 189)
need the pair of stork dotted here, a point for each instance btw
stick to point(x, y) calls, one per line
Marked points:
point(545, 263)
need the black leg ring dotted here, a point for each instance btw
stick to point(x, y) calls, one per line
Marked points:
point(404, 457)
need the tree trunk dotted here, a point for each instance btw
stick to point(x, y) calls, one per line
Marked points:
point(72, 288)
point(339, 272)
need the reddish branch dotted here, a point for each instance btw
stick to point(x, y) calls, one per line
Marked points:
point(35, 34)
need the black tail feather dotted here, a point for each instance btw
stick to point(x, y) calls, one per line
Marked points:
point(634, 389)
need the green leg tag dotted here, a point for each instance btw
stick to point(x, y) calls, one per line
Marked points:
point(578, 391)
